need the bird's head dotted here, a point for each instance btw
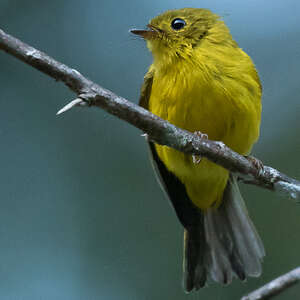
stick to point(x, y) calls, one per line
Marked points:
point(176, 33)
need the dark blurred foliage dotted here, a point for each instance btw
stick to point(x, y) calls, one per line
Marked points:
point(82, 216)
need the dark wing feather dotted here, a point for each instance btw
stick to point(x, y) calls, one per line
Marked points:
point(146, 89)
point(186, 211)
point(188, 214)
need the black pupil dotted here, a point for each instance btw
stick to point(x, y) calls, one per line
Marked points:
point(178, 24)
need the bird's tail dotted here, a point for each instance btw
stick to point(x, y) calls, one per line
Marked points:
point(224, 244)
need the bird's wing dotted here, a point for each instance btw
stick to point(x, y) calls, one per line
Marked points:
point(188, 214)
point(186, 211)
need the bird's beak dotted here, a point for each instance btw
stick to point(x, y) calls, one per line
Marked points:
point(151, 33)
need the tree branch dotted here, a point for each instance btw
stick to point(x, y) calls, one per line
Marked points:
point(276, 286)
point(157, 129)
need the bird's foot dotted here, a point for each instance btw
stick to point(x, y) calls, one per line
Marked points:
point(257, 163)
point(197, 158)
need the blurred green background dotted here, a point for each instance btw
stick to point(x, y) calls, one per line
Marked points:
point(82, 216)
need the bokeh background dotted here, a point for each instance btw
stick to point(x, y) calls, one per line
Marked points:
point(81, 214)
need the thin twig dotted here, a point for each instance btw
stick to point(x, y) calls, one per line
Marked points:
point(276, 286)
point(158, 130)
point(76, 102)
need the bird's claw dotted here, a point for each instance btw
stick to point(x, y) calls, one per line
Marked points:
point(197, 158)
point(257, 163)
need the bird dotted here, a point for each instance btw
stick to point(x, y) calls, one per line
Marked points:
point(202, 81)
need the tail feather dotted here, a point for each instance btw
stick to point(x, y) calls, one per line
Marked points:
point(249, 245)
point(224, 245)
point(219, 247)
point(193, 263)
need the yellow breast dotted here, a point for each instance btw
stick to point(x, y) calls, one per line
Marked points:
point(224, 107)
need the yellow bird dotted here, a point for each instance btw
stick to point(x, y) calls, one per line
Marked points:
point(200, 80)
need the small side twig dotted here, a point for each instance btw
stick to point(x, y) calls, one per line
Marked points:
point(76, 102)
point(276, 286)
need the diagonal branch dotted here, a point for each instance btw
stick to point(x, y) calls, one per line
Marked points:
point(157, 129)
point(276, 286)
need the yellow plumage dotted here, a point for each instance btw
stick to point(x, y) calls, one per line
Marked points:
point(211, 89)
point(200, 80)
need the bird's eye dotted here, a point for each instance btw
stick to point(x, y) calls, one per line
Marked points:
point(178, 24)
